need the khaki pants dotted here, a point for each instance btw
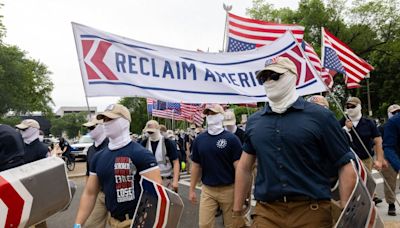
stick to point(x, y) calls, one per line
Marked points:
point(115, 223)
point(391, 177)
point(210, 199)
point(368, 163)
point(98, 217)
point(293, 214)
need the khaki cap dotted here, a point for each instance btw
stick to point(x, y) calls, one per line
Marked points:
point(115, 111)
point(152, 126)
point(170, 134)
point(353, 101)
point(318, 99)
point(393, 108)
point(229, 118)
point(28, 123)
point(93, 122)
point(280, 65)
point(214, 107)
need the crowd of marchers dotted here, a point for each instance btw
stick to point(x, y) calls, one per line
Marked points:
point(284, 157)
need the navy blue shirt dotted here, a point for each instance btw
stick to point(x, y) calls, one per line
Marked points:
point(119, 174)
point(11, 148)
point(296, 151)
point(367, 131)
point(92, 151)
point(216, 155)
point(34, 151)
point(391, 142)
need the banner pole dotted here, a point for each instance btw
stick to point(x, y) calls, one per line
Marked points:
point(227, 8)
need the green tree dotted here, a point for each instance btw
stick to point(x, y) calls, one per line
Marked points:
point(70, 124)
point(138, 109)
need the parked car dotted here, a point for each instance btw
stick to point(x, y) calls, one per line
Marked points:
point(80, 149)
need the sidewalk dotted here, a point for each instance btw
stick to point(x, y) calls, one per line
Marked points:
point(79, 171)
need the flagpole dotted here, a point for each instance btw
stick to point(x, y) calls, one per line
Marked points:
point(227, 8)
point(368, 95)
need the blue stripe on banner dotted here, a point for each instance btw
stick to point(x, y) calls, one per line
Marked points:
point(113, 41)
point(186, 91)
point(245, 61)
point(171, 90)
point(194, 60)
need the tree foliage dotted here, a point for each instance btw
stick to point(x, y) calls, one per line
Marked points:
point(138, 109)
point(370, 27)
point(70, 124)
point(24, 83)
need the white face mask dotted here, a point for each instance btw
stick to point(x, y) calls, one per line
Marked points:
point(231, 128)
point(41, 138)
point(282, 93)
point(354, 113)
point(214, 124)
point(390, 115)
point(97, 134)
point(117, 130)
point(155, 136)
point(30, 135)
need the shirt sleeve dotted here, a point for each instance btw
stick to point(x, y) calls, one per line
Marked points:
point(390, 139)
point(374, 130)
point(334, 141)
point(172, 153)
point(93, 164)
point(236, 148)
point(247, 145)
point(195, 152)
point(144, 161)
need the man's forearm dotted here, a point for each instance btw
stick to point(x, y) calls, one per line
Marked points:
point(242, 183)
point(347, 181)
point(194, 176)
point(176, 170)
point(86, 206)
point(378, 149)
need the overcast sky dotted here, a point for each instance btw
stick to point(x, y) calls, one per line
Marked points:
point(43, 29)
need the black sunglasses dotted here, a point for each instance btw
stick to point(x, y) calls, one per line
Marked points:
point(350, 106)
point(269, 76)
point(91, 128)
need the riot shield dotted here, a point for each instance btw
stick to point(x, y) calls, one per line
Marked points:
point(33, 192)
point(157, 206)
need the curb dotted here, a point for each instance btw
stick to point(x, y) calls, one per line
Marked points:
point(76, 175)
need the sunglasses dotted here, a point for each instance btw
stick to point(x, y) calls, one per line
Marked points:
point(269, 76)
point(350, 106)
point(150, 132)
point(91, 128)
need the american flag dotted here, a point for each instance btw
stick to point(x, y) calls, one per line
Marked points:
point(150, 102)
point(163, 109)
point(337, 56)
point(167, 114)
point(193, 113)
point(174, 106)
point(316, 62)
point(246, 34)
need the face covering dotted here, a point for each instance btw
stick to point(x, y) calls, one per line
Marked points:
point(41, 138)
point(231, 128)
point(214, 124)
point(155, 136)
point(354, 114)
point(282, 93)
point(117, 130)
point(97, 134)
point(30, 135)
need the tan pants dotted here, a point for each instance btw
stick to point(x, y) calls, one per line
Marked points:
point(115, 223)
point(368, 163)
point(98, 217)
point(293, 214)
point(391, 177)
point(210, 199)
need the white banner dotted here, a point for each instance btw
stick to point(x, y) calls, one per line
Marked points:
point(112, 65)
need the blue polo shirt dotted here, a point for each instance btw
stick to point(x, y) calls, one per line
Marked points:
point(297, 151)
point(391, 142)
point(216, 155)
point(367, 131)
point(119, 173)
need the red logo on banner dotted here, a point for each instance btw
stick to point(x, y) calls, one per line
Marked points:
point(97, 59)
point(13, 201)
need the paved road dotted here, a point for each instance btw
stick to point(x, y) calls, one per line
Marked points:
point(190, 213)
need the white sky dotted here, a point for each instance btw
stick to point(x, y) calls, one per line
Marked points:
point(43, 29)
